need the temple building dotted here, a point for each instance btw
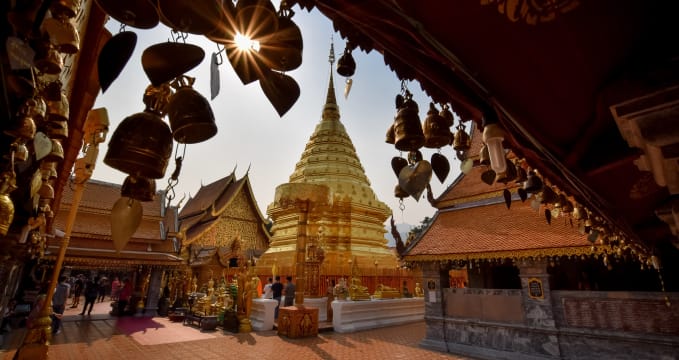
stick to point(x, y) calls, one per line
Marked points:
point(351, 228)
point(221, 226)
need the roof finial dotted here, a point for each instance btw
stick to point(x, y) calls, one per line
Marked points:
point(330, 98)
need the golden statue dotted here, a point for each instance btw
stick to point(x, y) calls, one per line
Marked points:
point(386, 292)
point(418, 290)
point(194, 284)
point(356, 290)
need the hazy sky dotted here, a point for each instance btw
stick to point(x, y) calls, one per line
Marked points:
point(251, 134)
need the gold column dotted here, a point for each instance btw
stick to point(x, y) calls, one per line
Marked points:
point(300, 268)
point(37, 340)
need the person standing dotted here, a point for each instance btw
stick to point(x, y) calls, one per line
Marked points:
point(91, 293)
point(268, 293)
point(289, 292)
point(277, 292)
point(124, 296)
point(103, 283)
point(330, 295)
point(77, 291)
point(61, 293)
point(115, 288)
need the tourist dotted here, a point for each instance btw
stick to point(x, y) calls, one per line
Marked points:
point(277, 291)
point(77, 291)
point(91, 293)
point(268, 293)
point(61, 294)
point(124, 296)
point(115, 288)
point(103, 283)
point(289, 292)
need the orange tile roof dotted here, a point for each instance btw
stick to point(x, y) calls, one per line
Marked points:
point(490, 231)
point(468, 188)
point(206, 196)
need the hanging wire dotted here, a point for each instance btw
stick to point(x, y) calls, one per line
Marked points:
point(220, 57)
point(178, 35)
point(173, 180)
point(122, 28)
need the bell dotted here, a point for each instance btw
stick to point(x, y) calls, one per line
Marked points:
point(51, 91)
point(169, 60)
point(533, 183)
point(440, 165)
point(114, 56)
point(447, 115)
point(256, 19)
point(141, 145)
point(484, 157)
point(399, 192)
point(57, 129)
point(65, 8)
point(196, 17)
point(548, 195)
point(20, 152)
point(48, 170)
point(461, 140)
point(141, 14)
point(46, 191)
point(407, 127)
point(63, 35)
point(436, 133)
point(281, 90)
point(508, 175)
point(24, 129)
point(282, 51)
point(34, 108)
point(48, 60)
point(6, 205)
point(226, 29)
point(126, 216)
point(190, 114)
point(521, 174)
point(57, 153)
point(391, 137)
point(58, 110)
point(579, 212)
point(139, 188)
point(566, 205)
point(346, 66)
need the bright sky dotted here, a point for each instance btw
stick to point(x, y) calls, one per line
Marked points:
point(251, 134)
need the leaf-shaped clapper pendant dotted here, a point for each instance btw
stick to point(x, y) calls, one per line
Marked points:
point(125, 219)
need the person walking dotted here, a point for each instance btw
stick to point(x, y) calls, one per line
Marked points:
point(115, 288)
point(289, 292)
point(91, 293)
point(124, 296)
point(103, 284)
point(61, 294)
point(277, 292)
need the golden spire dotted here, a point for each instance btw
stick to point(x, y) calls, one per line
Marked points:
point(330, 98)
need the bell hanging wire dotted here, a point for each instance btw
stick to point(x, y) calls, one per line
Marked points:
point(173, 180)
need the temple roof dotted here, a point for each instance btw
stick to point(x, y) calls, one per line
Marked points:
point(489, 230)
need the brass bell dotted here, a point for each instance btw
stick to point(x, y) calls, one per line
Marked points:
point(283, 50)
point(399, 192)
point(141, 14)
point(408, 133)
point(24, 129)
point(436, 133)
point(190, 114)
point(346, 66)
point(48, 60)
point(48, 170)
point(484, 156)
point(65, 8)
point(533, 183)
point(508, 175)
point(51, 91)
point(256, 19)
point(58, 110)
point(46, 191)
point(141, 145)
point(521, 174)
point(548, 195)
point(461, 141)
point(62, 34)
point(34, 108)
point(6, 205)
point(447, 115)
point(57, 129)
point(139, 188)
point(391, 137)
point(20, 152)
point(57, 152)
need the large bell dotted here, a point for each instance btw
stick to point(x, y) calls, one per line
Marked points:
point(390, 138)
point(436, 133)
point(408, 133)
point(141, 145)
point(139, 188)
point(346, 65)
point(48, 60)
point(533, 183)
point(447, 115)
point(283, 50)
point(256, 19)
point(63, 35)
point(196, 17)
point(190, 114)
point(58, 110)
point(165, 61)
point(57, 152)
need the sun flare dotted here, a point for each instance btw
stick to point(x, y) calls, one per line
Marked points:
point(244, 43)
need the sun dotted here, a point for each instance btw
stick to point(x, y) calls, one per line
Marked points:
point(244, 43)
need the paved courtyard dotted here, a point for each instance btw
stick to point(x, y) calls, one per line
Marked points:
point(100, 336)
